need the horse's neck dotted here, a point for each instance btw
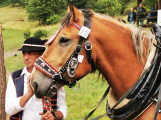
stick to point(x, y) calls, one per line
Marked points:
point(115, 56)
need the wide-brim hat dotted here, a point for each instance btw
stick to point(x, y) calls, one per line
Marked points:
point(32, 44)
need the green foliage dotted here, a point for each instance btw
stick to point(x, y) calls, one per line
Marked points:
point(53, 19)
point(150, 3)
point(112, 7)
point(80, 4)
point(40, 33)
point(13, 2)
point(3, 3)
point(22, 2)
point(27, 34)
point(17, 2)
point(42, 9)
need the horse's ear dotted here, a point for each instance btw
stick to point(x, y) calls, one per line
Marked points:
point(74, 12)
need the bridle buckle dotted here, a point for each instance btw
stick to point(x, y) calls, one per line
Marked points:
point(88, 45)
point(78, 49)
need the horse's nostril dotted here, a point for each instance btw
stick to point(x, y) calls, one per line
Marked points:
point(35, 86)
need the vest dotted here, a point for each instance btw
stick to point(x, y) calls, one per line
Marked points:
point(19, 85)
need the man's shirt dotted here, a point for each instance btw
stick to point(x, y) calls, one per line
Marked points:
point(34, 106)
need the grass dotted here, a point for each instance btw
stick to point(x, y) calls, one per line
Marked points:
point(11, 64)
point(12, 39)
point(85, 99)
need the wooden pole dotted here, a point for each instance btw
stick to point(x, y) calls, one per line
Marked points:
point(159, 4)
point(2, 79)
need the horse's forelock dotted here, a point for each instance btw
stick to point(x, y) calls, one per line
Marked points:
point(66, 19)
point(87, 13)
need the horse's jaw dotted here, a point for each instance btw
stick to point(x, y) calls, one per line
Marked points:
point(40, 87)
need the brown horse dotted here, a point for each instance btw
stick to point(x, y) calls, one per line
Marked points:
point(119, 51)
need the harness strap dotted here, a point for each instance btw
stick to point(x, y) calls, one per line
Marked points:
point(158, 102)
point(157, 32)
point(87, 44)
point(103, 97)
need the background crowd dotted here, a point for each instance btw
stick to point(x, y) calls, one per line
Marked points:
point(141, 15)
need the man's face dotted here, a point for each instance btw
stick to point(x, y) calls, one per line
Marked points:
point(141, 5)
point(132, 9)
point(30, 58)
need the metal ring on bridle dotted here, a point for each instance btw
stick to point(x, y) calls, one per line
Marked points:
point(77, 47)
point(87, 44)
point(77, 87)
point(57, 75)
point(71, 84)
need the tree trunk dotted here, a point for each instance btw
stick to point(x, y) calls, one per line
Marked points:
point(2, 79)
point(159, 4)
point(138, 2)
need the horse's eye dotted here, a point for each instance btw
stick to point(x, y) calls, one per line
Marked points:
point(64, 40)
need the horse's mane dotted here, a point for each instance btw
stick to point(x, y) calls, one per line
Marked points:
point(138, 35)
point(138, 38)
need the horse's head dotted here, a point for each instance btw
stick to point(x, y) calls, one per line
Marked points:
point(62, 56)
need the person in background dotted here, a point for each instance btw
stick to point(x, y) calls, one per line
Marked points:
point(121, 20)
point(153, 14)
point(20, 100)
point(131, 17)
point(140, 10)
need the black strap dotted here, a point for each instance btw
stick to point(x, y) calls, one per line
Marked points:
point(103, 97)
point(87, 23)
point(158, 102)
point(53, 113)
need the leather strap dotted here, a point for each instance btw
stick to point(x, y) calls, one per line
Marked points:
point(103, 97)
point(158, 102)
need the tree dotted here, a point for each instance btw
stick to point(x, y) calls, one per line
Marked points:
point(111, 7)
point(80, 4)
point(13, 2)
point(150, 3)
point(2, 80)
point(43, 9)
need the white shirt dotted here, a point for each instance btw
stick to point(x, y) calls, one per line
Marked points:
point(34, 106)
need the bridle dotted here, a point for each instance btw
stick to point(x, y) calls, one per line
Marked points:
point(72, 63)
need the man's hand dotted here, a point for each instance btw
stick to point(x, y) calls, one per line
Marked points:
point(24, 99)
point(30, 90)
point(49, 116)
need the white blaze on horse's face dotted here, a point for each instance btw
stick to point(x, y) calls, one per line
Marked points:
point(59, 51)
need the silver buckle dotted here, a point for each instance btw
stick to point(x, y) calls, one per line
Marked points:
point(85, 44)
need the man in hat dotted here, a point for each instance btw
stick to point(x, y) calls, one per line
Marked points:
point(20, 101)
